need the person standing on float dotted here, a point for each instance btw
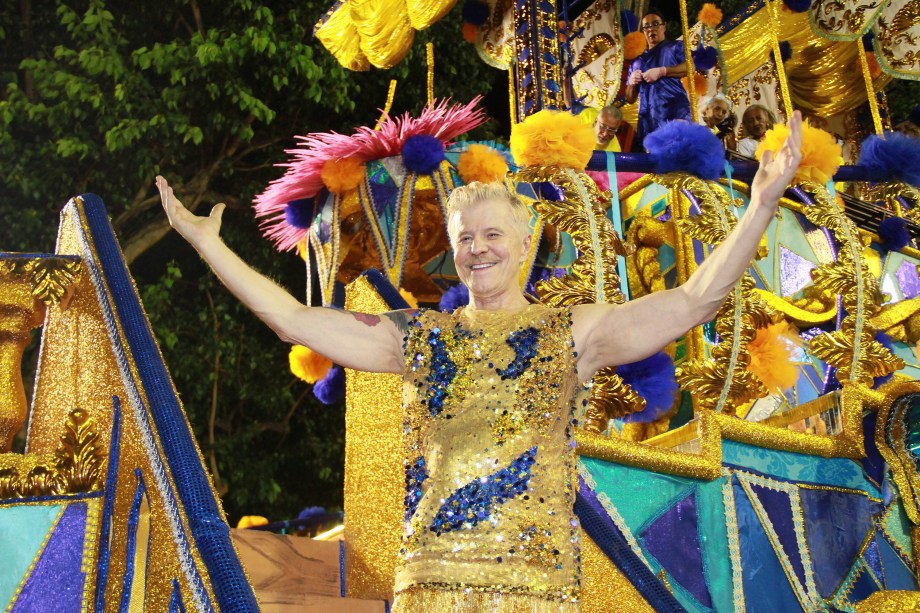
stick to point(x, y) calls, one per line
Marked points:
point(489, 390)
point(654, 78)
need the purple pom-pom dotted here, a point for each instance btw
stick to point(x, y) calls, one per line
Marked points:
point(897, 156)
point(311, 512)
point(785, 51)
point(704, 58)
point(686, 147)
point(551, 192)
point(629, 22)
point(893, 233)
point(475, 12)
point(868, 41)
point(456, 296)
point(300, 213)
point(423, 153)
point(331, 388)
point(653, 379)
point(798, 6)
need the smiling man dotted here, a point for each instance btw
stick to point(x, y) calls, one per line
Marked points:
point(489, 391)
point(654, 78)
point(757, 119)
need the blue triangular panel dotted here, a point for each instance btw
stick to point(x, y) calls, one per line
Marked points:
point(766, 588)
point(897, 574)
point(673, 539)
point(22, 532)
point(779, 511)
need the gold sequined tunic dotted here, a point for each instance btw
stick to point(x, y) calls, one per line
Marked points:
point(490, 463)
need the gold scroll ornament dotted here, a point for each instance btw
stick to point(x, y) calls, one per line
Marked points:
point(28, 284)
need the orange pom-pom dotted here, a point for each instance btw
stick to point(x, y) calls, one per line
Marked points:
point(552, 138)
point(470, 32)
point(772, 353)
point(247, 521)
point(409, 297)
point(710, 14)
point(308, 365)
point(700, 82)
point(343, 175)
point(634, 45)
point(822, 155)
point(481, 163)
point(874, 69)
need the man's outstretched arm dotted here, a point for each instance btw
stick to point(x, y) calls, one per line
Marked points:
point(609, 335)
point(356, 340)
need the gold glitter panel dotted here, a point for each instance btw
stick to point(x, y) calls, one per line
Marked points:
point(604, 588)
point(374, 473)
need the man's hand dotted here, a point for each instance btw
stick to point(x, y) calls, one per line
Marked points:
point(193, 228)
point(635, 78)
point(775, 173)
point(653, 74)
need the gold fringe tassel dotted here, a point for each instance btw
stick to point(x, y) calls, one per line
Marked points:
point(691, 69)
point(773, 6)
point(391, 93)
point(422, 600)
point(870, 89)
point(429, 52)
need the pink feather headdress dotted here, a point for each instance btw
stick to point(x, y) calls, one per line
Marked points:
point(302, 178)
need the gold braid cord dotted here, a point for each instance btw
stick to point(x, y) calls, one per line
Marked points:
point(75, 467)
point(593, 277)
point(722, 381)
point(852, 348)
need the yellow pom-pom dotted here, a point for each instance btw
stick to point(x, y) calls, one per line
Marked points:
point(772, 353)
point(710, 14)
point(344, 175)
point(552, 138)
point(308, 365)
point(481, 163)
point(409, 297)
point(634, 45)
point(822, 155)
point(247, 521)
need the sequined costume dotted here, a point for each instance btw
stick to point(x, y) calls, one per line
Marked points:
point(490, 463)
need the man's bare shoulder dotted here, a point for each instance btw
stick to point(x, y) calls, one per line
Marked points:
point(402, 317)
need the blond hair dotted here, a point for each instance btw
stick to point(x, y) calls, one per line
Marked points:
point(476, 192)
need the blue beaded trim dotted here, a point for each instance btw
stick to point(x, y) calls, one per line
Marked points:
point(108, 507)
point(473, 502)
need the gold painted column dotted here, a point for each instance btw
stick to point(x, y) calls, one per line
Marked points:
point(28, 283)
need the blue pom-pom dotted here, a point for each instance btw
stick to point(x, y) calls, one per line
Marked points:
point(798, 6)
point(551, 192)
point(785, 51)
point(653, 379)
point(897, 156)
point(893, 233)
point(629, 22)
point(475, 12)
point(423, 153)
point(456, 296)
point(704, 58)
point(686, 147)
point(311, 512)
point(914, 116)
point(331, 388)
point(300, 213)
point(868, 41)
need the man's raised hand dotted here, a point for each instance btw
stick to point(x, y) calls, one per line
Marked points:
point(193, 228)
point(776, 172)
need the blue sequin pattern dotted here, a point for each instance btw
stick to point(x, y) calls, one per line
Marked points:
point(524, 343)
point(473, 502)
point(416, 473)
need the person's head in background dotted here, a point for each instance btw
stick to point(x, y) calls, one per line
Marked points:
point(606, 125)
point(757, 120)
point(653, 26)
point(716, 110)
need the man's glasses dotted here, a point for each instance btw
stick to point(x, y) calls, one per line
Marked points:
point(651, 26)
point(605, 129)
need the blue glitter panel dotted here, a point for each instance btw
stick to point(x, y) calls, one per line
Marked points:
point(415, 475)
point(473, 502)
point(442, 373)
point(524, 343)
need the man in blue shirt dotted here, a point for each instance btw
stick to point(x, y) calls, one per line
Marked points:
point(654, 78)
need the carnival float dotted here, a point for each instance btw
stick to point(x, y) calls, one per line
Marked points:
point(767, 461)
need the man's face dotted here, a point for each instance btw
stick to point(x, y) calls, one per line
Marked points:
point(605, 128)
point(653, 28)
point(489, 248)
point(715, 113)
point(756, 123)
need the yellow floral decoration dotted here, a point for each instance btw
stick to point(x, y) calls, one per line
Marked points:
point(552, 138)
point(481, 163)
point(822, 155)
point(308, 365)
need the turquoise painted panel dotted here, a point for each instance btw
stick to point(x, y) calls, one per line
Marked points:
point(22, 532)
point(790, 466)
point(714, 543)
